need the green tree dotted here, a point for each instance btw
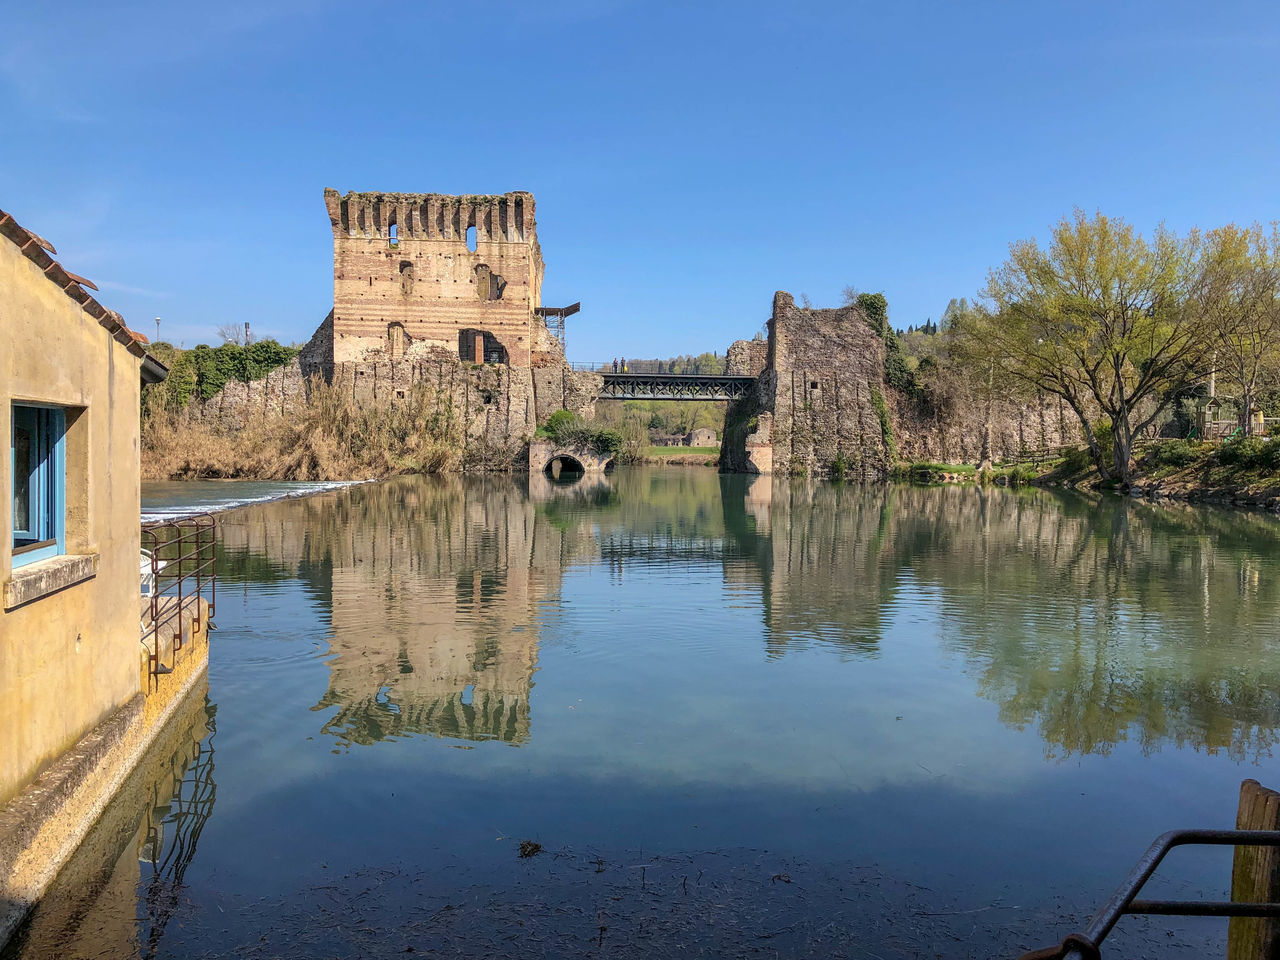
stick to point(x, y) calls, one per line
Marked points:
point(1241, 303)
point(1103, 319)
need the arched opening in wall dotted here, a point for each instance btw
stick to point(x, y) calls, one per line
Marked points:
point(564, 469)
point(519, 218)
point(406, 277)
point(393, 233)
point(480, 346)
point(471, 238)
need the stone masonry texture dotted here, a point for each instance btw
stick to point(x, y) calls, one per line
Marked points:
point(821, 394)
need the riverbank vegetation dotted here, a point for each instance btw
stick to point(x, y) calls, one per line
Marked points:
point(1140, 338)
point(200, 372)
point(330, 437)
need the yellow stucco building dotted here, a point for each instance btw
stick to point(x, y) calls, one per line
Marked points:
point(78, 702)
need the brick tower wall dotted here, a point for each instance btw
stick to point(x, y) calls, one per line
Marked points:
point(404, 278)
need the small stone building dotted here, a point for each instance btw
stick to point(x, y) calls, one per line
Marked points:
point(701, 437)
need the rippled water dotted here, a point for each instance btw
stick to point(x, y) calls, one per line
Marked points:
point(740, 716)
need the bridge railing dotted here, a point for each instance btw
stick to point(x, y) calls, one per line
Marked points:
point(651, 367)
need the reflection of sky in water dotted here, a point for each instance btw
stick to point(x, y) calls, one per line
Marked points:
point(959, 685)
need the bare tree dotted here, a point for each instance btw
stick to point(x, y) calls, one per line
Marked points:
point(231, 333)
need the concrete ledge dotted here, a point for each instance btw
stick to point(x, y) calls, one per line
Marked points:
point(39, 579)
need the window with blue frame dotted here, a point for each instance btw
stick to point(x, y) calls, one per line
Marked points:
point(39, 483)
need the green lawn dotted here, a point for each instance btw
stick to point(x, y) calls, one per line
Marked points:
point(681, 451)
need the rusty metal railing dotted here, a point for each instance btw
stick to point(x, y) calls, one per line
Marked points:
point(1087, 944)
point(177, 570)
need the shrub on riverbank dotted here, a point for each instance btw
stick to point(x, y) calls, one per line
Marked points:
point(566, 429)
point(330, 438)
point(199, 373)
point(1251, 453)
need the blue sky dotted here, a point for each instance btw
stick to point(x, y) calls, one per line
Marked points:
point(688, 158)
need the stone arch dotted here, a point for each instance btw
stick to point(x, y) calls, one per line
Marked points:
point(564, 466)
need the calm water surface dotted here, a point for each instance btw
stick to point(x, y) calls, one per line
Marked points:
point(742, 718)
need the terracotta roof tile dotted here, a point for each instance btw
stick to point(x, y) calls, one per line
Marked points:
point(38, 250)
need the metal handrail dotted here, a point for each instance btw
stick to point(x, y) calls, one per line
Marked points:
point(182, 561)
point(1087, 945)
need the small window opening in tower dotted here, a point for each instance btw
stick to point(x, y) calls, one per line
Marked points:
point(393, 234)
point(471, 239)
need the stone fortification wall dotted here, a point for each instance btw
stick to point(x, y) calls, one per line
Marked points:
point(498, 406)
point(816, 403)
point(821, 400)
point(747, 358)
point(440, 271)
point(953, 433)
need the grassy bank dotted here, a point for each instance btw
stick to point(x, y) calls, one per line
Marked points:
point(931, 472)
point(1244, 471)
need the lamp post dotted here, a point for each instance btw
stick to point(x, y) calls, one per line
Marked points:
point(157, 329)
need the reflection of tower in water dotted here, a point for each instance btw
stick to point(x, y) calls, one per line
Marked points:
point(433, 608)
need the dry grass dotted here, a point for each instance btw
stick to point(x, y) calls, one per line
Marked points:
point(330, 438)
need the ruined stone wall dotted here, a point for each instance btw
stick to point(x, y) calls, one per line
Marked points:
point(404, 274)
point(954, 434)
point(816, 403)
point(497, 407)
point(747, 358)
point(822, 400)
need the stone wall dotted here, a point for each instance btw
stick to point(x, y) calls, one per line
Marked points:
point(816, 403)
point(747, 358)
point(822, 400)
point(498, 406)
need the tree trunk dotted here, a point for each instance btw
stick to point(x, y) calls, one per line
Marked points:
point(984, 457)
point(1122, 447)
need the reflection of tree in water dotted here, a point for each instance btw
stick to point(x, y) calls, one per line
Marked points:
point(1097, 620)
point(1101, 622)
point(173, 827)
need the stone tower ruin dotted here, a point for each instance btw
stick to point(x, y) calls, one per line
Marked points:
point(422, 270)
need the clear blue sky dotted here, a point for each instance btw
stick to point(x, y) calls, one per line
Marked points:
point(688, 158)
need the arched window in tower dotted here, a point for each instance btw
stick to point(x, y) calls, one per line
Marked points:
point(393, 233)
point(471, 238)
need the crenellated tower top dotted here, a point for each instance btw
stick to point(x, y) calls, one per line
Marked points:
point(498, 218)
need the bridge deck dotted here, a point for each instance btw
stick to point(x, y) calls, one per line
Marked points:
point(673, 386)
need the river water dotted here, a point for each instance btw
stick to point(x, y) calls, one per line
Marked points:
point(741, 717)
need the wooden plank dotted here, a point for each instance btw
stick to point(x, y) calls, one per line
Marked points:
point(1255, 877)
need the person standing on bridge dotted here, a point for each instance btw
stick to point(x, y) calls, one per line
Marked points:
point(624, 364)
point(615, 364)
